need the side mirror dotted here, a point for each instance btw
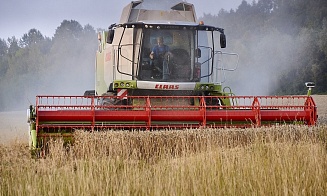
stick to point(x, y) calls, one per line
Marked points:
point(310, 84)
point(110, 36)
point(198, 53)
point(222, 40)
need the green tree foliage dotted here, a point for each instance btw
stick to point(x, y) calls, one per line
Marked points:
point(73, 52)
point(3, 57)
point(3, 48)
point(13, 46)
point(32, 37)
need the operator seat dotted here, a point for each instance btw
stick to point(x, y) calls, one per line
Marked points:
point(181, 64)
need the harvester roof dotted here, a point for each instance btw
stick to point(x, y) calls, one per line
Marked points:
point(145, 11)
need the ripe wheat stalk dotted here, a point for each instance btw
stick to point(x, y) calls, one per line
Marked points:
point(267, 161)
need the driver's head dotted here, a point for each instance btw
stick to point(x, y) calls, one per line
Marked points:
point(160, 40)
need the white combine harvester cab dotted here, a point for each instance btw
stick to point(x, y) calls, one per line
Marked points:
point(128, 53)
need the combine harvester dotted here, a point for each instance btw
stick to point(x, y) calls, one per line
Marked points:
point(178, 86)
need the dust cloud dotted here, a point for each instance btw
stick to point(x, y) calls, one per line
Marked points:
point(13, 127)
point(67, 69)
point(65, 73)
point(263, 58)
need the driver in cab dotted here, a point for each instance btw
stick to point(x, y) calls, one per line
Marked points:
point(160, 50)
point(160, 57)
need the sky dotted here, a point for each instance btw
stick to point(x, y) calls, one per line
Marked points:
point(17, 17)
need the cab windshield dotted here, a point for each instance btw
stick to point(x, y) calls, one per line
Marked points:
point(168, 55)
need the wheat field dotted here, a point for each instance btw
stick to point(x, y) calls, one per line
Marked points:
point(282, 160)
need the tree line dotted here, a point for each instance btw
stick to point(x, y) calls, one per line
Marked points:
point(281, 44)
point(35, 64)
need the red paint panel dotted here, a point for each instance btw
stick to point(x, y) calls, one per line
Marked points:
point(74, 109)
point(65, 115)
